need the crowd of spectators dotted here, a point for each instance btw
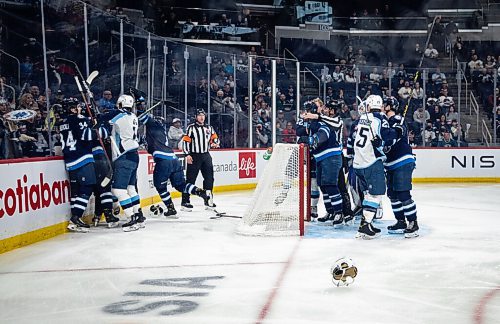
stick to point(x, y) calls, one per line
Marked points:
point(480, 65)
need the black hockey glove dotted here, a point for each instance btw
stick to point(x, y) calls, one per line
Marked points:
point(377, 141)
point(303, 140)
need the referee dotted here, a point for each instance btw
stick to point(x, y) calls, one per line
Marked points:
point(196, 144)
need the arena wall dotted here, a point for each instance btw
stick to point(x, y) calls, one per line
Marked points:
point(34, 193)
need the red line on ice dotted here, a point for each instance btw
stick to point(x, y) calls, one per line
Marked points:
point(267, 306)
point(479, 312)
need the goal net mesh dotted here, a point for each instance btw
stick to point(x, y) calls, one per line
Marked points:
point(277, 207)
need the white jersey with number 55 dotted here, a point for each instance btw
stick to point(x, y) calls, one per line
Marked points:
point(124, 133)
point(360, 140)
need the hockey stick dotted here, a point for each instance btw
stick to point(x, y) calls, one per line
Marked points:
point(149, 109)
point(403, 115)
point(109, 175)
point(220, 215)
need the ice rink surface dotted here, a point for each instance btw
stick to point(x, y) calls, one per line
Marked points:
point(196, 270)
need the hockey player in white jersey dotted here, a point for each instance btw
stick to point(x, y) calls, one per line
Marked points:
point(124, 145)
point(365, 148)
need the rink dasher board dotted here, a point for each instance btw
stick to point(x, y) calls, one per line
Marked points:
point(34, 193)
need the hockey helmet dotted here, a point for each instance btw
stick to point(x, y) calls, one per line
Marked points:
point(200, 112)
point(125, 102)
point(70, 103)
point(374, 103)
point(140, 104)
point(343, 272)
point(391, 103)
point(334, 105)
point(310, 107)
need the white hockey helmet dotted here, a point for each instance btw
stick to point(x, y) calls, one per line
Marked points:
point(125, 101)
point(343, 272)
point(374, 103)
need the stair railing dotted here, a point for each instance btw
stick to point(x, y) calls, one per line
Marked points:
point(474, 105)
point(486, 134)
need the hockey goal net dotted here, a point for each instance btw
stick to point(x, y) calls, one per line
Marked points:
point(279, 207)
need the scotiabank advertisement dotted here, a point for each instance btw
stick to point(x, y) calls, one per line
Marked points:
point(33, 195)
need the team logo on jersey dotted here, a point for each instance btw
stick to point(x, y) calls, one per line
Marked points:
point(247, 165)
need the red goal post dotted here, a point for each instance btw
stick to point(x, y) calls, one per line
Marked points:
point(281, 201)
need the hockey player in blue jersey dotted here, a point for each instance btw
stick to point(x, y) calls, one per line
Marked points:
point(102, 194)
point(124, 147)
point(167, 165)
point(326, 146)
point(77, 136)
point(365, 148)
point(302, 131)
point(399, 167)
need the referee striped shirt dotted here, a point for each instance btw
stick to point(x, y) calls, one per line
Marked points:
point(198, 138)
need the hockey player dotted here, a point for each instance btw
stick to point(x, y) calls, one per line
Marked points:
point(365, 147)
point(399, 167)
point(302, 131)
point(326, 145)
point(167, 165)
point(76, 138)
point(103, 195)
point(124, 147)
point(347, 212)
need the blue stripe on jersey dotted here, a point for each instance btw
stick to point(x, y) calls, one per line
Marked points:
point(370, 204)
point(144, 119)
point(97, 150)
point(86, 159)
point(163, 155)
point(405, 159)
point(117, 117)
point(326, 130)
point(327, 153)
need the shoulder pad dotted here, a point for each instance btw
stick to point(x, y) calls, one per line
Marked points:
point(397, 117)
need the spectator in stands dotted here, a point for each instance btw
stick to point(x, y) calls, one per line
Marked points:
point(420, 117)
point(404, 92)
point(417, 55)
point(350, 55)
point(455, 130)
point(391, 72)
point(240, 21)
point(218, 102)
point(263, 136)
point(401, 72)
point(26, 69)
point(442, 123)
point(175, 133)
point(384, 82)
point(418, 92)
point(289, 134)
point(447, 141)
point(430, 137)
point(497, 116)
point(349, 78)
point(460, 52)
point(451, 114)
point(374, 76)
point(35, 92)
point(107, 102)
point(435, 113)
point(360, 59)
point(282, 103)
point(438, 77)
point(490, 62)
point(27, 102)
point(475, 64)
point(338, 75)
point(491, 99)
point(413, 140)
point(445, 100)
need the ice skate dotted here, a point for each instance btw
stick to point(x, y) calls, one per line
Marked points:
point(366, 231)
point(397, 228)
point(325, 218)
point(337, 218)
point(411, 230)
point(111, 220)
point(209, 200)
point(76, 225)
point(171, 213)
point(141, 220)
point(130, 225)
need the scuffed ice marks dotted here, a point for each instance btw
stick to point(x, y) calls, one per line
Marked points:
point(182, 288)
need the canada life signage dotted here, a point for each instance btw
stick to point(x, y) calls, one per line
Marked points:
point(247, 165)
